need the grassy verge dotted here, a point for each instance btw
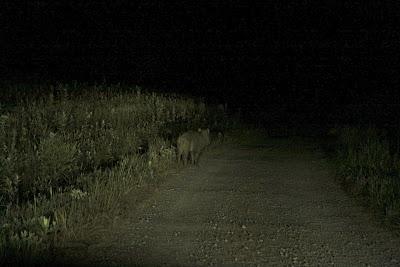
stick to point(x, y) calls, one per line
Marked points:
point(368, 166)
point(69, 160)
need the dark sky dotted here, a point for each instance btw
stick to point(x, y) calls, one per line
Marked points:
point(294, 52)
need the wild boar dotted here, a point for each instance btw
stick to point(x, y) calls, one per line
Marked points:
point(191, 144)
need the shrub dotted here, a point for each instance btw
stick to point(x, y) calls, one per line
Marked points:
point(57, 163)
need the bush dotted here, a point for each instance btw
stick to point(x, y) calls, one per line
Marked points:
point(57, 163)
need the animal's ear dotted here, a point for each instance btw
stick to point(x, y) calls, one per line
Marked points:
point(199, 130)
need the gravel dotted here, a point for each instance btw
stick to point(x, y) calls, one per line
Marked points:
point(273, 204)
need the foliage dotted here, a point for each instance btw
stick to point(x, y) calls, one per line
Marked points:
point(366, 163)
point(74, 152)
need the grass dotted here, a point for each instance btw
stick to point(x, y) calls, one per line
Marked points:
point(368, 165)
point(71, 154)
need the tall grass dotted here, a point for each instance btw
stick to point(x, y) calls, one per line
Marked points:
point(368, 164)
point(68, 157)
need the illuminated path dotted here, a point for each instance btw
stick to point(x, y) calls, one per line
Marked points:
point(269, 205)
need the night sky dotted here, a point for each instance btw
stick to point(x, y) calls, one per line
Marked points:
point(305, 54)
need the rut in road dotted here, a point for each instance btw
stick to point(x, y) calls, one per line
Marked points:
point(274, 204)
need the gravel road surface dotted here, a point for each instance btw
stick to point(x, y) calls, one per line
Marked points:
point(271, 204)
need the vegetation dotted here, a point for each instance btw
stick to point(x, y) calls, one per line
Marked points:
point(71, 157)
point(368, 162)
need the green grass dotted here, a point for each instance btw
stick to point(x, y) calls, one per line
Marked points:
point(69, 156)
point(368, 166)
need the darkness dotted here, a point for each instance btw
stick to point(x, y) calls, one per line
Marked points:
point(293, 57)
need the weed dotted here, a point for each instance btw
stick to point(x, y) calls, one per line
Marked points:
point(365, 162)
point(71, 153)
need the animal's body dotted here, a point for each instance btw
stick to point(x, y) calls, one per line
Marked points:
point(191, 144)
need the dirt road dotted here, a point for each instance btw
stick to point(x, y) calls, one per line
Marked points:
point(272, 204)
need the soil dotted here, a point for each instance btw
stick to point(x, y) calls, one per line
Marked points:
point(270, 204)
